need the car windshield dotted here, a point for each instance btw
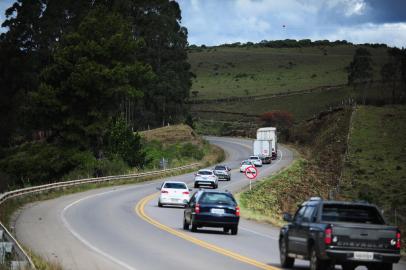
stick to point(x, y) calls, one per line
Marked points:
point(222, 168)
point(217, 198)
point(351, 213)
point(205, 173)
point(175, 185)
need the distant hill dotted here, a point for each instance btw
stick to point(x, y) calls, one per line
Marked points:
point(234, 85)
point(251, 71)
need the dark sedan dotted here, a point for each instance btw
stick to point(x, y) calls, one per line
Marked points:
point(212, 209)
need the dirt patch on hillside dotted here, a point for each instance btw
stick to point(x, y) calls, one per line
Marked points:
point(172, 134)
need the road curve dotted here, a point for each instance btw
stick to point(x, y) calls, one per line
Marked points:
point(122, 228)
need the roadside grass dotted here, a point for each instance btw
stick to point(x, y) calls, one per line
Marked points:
point(375, 166)
point(282, 193)
point(321, 145)
point(226, 72)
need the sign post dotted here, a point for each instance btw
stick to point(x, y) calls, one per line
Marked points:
point(251, 173)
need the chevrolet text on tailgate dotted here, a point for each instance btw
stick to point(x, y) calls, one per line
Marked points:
point(349, 234)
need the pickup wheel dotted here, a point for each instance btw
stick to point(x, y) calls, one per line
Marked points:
point(381, 266)
point(316, 263)
point(234, 230)
point(286, 262)
point(348, 266)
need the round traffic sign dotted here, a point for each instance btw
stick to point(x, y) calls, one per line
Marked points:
point(251, 172)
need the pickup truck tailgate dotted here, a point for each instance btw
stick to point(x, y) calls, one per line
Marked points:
point(370, 237)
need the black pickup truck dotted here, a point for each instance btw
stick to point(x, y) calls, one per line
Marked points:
point(334, 232)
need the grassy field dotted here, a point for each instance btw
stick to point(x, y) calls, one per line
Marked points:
point(223, 72)
point(220, 118)
point(375, 168)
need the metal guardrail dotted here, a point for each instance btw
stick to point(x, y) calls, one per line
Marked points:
point(26, 261)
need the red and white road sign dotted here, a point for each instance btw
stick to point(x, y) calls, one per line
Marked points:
point(251, 172)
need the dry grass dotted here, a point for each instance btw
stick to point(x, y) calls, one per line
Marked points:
point(172, 134)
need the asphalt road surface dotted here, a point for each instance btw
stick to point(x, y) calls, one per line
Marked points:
point(123, 228)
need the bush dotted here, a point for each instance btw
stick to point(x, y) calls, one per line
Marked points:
point(36, 163)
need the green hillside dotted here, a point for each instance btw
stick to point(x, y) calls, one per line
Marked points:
point(224, 71)
point(375, 168)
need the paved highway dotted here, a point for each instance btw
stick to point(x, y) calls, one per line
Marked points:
point(122, 228)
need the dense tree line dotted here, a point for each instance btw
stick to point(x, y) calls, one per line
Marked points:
point(288, 43)
point(71, 71)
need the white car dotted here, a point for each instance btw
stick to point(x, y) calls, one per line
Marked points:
point(206, 178)
point(245, 164)
point(256, 160)
point(173, 193)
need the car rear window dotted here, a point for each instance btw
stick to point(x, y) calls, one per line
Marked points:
point(351, 213)
point(205, 173)
point(220, 168)
point(254, 157)
point(246, 163)
point(217, 198)
point(175, 185)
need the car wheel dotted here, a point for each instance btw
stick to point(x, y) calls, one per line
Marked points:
point(381, 266)
point(286, 262)
point(159, 204)
point(185, 224)
point(226, 229)
point(348, 266)
point(215, 186)
point(193, 226)
point(196, 185)
point(316, 263)
point(234, 230)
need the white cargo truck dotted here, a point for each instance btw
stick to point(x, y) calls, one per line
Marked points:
point(268, 134)
point(263, 149)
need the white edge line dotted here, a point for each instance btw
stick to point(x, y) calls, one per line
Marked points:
point(257, 233)
point(84, 241)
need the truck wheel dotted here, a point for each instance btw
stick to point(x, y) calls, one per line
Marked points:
point(381, 266)
point(286, 262)
point(348, 266)
point(316, 263)
point(196, 185)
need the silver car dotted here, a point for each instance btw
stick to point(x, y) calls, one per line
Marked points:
point(206, 178)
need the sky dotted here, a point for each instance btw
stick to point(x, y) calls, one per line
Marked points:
point(214, 22)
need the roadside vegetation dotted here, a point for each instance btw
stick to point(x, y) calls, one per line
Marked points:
point(70, 108)
point(374, 168)
point(321, 144)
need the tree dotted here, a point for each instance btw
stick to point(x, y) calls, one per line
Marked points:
point(393, 72)
point(122, 142)
point(360, 70)
point(93, 70)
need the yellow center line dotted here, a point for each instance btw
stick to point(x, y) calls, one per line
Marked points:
point(140, 210)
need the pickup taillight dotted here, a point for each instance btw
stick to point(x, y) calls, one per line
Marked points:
point(237, 211)
point(328, 236)
point(398, 240)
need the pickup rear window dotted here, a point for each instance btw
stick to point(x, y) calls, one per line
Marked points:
point(351, 213)
point(217, 198)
